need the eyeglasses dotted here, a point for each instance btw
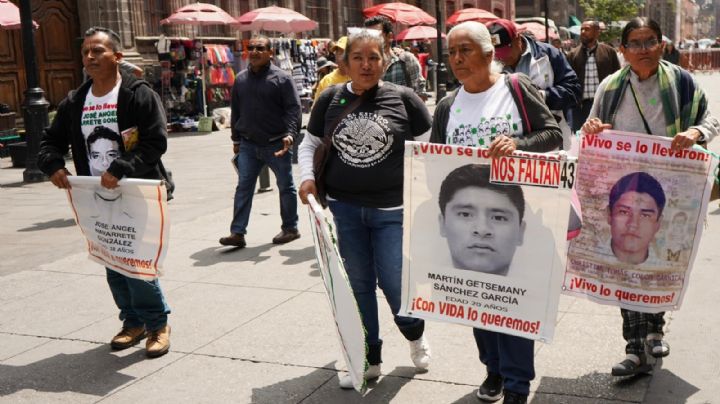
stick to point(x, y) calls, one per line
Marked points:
point(637, 46)
point(256, 48)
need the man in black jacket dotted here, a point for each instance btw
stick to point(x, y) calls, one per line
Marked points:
point(265, 118)
point(119, 103)
point(592, 61)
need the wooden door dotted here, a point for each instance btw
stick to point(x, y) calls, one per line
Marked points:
point(58, 47)
point(12, 71)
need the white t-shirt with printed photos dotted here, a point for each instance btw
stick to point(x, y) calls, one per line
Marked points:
point(101, 111)
point(477, 119)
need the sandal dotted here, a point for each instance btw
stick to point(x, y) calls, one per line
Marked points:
point(629, 367)
point(658, 348)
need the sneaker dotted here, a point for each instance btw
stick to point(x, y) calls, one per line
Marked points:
point(420, 353)
point(656, 346)
point(234, 239)
point(158, 342)
point(631, 365)
point(372, 373)
point(512, 397)
point(127, 337)
point(491, 389)
point(286, 236)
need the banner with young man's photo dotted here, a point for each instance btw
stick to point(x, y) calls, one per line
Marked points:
point(484, 240)
point(643, 208)
point(126, 228)
point(340, 296)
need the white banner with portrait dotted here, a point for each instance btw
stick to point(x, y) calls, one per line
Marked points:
point(340, 295)
point(484, 240)
point(126, 228)
point(643, 208)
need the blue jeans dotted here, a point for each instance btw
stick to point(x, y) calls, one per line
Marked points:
point(251, 159)
point(141, 303)
point(510, 356)
point(370, 243)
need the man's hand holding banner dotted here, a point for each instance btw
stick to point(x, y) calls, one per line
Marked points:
point(126, 228)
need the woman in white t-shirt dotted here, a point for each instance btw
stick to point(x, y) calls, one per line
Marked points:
point(504, 113)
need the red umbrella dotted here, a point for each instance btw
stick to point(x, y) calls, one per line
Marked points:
point(10, 16)
point(471, 14)
point(401, 12)
point(275, 19)
point(538, 30)
point(418, 32)
point(199, 14)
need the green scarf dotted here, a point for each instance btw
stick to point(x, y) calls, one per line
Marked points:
point(684, 104)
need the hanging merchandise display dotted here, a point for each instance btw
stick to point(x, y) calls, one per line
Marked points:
point(181, 80)
point(219, 75)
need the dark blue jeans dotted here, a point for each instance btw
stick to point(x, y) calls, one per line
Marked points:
point(510, 356)
point(370, 243)
point(141, 303)
point(251, 159)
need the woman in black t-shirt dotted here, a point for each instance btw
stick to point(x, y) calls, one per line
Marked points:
point(369, 121)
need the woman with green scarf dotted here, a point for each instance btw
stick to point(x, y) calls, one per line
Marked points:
point(650, 96)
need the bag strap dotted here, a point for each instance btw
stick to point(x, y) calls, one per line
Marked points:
point(347, 111)
point(637, 104)
point(516, 88)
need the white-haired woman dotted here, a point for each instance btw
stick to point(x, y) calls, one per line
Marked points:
point(505, 113)
point(368, 121)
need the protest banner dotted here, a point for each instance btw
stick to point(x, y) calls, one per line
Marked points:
point(340, 296)
point(643, 206)
point(484, 240)
point(126, 228)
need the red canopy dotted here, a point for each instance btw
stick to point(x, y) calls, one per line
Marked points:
point(538, 30)
point(199, 14)
point(418, 32)
point(10, 16)
point(471, 14)
point(275, 19)
point(401, 12)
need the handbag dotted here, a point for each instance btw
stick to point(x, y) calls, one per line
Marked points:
point(322, 153)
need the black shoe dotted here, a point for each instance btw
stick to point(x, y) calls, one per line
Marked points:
point(658, 348)
point(234, 239)
point(286, 236)
point(514, 398)
point(629, 367)
point(491, 389)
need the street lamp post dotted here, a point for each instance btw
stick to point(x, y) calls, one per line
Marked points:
point(35, 106)
point(441, 75)
point(547, 26)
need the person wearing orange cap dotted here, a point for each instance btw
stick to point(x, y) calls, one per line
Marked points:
point(338, 75)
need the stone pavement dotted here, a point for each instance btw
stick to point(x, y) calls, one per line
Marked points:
point(253, 325)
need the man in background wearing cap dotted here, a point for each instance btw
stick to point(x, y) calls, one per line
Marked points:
point(592, 61)
point(404, 69)
point(547, 68)
point(337, 76)
point(323, 67)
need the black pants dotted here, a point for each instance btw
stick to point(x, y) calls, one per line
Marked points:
point(580, 114)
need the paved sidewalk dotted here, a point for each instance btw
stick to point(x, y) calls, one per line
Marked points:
point(254, 326)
